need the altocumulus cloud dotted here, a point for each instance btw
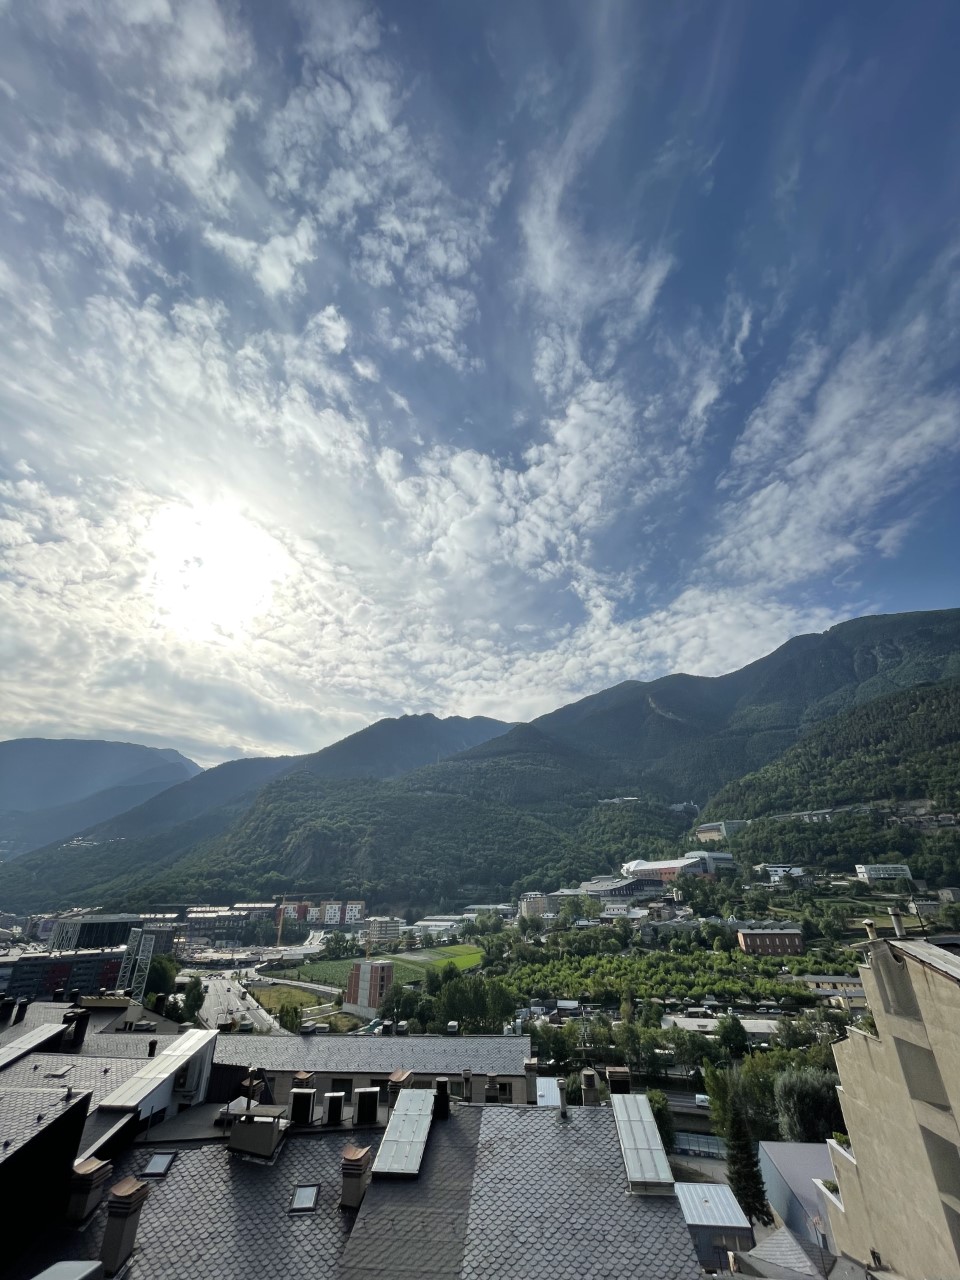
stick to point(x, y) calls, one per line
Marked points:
point(358, 361)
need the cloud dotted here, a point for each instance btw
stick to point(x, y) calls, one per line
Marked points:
point(343, 376)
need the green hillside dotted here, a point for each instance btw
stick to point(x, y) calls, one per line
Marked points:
point(905, 746)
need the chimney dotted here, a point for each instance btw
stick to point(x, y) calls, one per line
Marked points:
point(871, 929)
point(21, 1011)
point(562, 1089)
point(151, 1048)
point(87, 1187)
point(530, 1075)
point(467, 1085)
point(897, 921)
point(355, 1171)
point(491, 1092)
point(6, 1009)
point(58, 995)
point(124, 1206)
point(75, 996)
point(80, 1027)
point(159, 1005)
point(590, 1088)
point(441, 1105)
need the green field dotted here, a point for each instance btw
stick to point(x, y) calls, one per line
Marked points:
point(463, 954)
point(409, 966)
point(271, 998)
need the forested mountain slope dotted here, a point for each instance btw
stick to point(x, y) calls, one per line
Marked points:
point(905, 746)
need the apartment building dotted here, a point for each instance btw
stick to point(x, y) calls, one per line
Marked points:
point(898, 1199)
point(369, 982)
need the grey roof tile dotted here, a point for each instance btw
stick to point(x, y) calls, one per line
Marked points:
point(378, 1055)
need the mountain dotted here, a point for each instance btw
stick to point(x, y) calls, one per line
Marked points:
point(905, 746)
point(515, 811)
point(683, 737)
point(42, 773)
point(112, 856)
point(390, 748)
point(50, 788)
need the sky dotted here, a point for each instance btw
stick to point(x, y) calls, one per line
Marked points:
point(464, 358)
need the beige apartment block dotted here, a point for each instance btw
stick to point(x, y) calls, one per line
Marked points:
point(898, 1203)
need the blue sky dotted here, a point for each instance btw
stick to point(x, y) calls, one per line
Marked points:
point(461, 358)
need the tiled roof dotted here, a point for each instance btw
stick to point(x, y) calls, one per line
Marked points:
point(215, 1217)
point(378, 1055)
point(408, 1228)
point(124, 1044)
point(43, 1012)
point(27, 1112)
point(521, 1200)
point(517, 1193)
point(99, 1075)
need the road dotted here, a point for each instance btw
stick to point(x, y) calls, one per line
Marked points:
point(223, 1002)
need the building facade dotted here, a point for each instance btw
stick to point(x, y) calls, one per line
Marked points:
point(898, 1198)
point(383, 929)
point(369, 982)
point(38, 975)
point(781, 941)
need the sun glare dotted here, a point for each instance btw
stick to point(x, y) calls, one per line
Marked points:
point(213, 571)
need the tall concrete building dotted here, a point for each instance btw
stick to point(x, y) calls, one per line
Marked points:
point(898, 1202)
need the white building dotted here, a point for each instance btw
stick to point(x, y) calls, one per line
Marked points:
point(870, 872)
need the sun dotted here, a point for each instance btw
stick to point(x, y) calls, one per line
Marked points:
point(213, 571)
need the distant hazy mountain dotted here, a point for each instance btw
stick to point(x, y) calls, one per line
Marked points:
point(50, 788)
point(42, 773)
point(379, 816)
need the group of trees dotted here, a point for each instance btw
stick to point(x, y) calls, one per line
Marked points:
point(477, 1004)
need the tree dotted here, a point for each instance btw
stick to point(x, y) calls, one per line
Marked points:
point(193, 998)
point(731, 1036)
point(161, 976)
point(289, 1017)
point(663, 1116)
point(808, 1109)
point(743, 1168)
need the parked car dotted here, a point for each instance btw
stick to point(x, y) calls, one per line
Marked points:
point(702, 1099)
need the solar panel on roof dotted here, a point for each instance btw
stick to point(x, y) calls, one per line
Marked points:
point(405, 1140)
point(644, 1158)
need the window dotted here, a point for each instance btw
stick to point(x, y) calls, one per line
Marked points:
point(344, 1086)
point(504, 1091)
point(158, 1166)
point(59, 1073)
point(304, 1198)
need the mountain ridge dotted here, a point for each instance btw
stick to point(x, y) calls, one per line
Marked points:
point(519, 807)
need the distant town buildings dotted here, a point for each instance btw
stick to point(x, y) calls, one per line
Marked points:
point(383, 929)
point(897, 1205)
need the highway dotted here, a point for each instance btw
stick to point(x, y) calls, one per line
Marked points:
point(223, 1002)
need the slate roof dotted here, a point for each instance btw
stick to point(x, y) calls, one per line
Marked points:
point(219, 1218)
point(43, 1012)
point(86, 1073)
point(784, 1256)
point(27, 1112)
point(124, 1044)
point(377, 1055)
point(517, 1193)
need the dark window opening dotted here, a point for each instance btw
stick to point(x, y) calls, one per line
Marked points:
point(304, 1198)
